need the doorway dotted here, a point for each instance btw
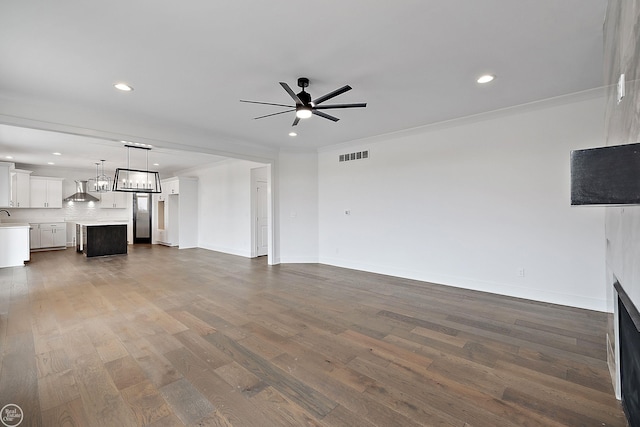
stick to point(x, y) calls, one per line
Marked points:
point(260, 208)
point(141, 218)
point(262, 219)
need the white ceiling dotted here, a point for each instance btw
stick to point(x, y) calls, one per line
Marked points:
point(414, 62)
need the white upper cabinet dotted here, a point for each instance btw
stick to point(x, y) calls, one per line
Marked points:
point(171, 186)
point(45, 192)
point(20, 191)
point(5, 185)
point(113, 200)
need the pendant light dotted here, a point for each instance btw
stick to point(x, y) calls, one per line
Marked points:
point(136, 180)
point(101, 183)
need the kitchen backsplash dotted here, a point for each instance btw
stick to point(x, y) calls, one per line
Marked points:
point(74, 211)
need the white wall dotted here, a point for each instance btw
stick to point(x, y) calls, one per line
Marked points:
point(298, 196)
point(75, 211)
point(224, 206)
point(471, 202)
point(188, 199)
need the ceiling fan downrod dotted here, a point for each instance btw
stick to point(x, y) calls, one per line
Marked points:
point(305, 97)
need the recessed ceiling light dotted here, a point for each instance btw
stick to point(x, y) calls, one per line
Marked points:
point(8, 157)
point(50, 163)
point(486, 78)
point(123, 87)
point(57, 154)
point(156, 164)
point(293, 134)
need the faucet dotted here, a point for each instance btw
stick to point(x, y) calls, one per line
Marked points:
point(4, 210)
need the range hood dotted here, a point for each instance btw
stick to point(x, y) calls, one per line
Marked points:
point(81, 194)
point(606, 175)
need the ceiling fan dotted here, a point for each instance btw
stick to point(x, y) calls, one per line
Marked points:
point(305, 107)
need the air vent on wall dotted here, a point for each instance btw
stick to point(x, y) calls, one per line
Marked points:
point(358, 155)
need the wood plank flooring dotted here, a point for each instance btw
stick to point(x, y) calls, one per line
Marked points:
point(168, 337)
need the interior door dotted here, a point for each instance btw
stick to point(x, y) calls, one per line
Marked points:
point(262, 221)
point(142, 218)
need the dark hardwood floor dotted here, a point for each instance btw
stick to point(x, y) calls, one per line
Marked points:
point(168, 337)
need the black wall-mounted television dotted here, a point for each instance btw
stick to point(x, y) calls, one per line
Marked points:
point(606, 175)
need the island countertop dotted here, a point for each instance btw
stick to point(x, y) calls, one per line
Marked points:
point(15, 225)
point(99, 223)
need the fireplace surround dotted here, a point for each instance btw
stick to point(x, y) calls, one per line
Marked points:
point(628, 318)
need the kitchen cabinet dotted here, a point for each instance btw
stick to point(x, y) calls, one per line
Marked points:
point(20, 191)
point(113, 200)
point(48, 235)
point(45, 192)
point(34, 237)
point(5, 185)
point(171, 186)
point(174, 214)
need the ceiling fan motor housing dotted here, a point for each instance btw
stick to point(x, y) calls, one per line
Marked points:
point(304, 97)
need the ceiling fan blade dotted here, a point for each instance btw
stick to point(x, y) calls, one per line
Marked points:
point(325, 115)
point(330, 95)
point(295, 122)
point(274, 114)
point(291, 93)
point(326, 107)
point(267, 103)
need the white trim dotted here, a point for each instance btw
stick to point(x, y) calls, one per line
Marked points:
point(229, 251)
point(299, 260)
point(506, 289)
point(474, 118)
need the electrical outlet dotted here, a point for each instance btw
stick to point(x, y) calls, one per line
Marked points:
point(521, 272)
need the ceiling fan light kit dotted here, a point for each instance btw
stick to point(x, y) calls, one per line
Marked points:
point(304, 106)
point(303, 113)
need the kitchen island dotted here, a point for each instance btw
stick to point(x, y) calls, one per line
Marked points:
point(101, 238)
point(14, 244)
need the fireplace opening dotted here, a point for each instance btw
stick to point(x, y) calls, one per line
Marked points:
point(629, 359)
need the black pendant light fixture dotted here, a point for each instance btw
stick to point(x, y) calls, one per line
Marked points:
point(136, 180)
